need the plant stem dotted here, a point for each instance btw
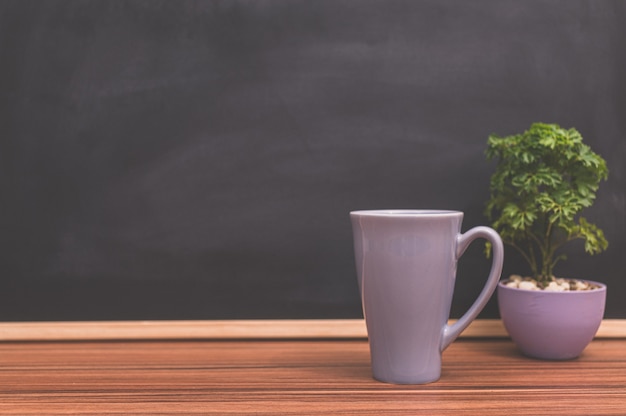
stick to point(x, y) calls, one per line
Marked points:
point(547, 253)
point(533, 259)
point(529, 260)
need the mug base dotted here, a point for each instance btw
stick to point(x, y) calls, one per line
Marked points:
point(395, 380)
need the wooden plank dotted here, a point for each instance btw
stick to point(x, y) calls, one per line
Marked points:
point(235, 329)
point(314, 377)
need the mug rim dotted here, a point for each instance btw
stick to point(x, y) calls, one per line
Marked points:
point(395, 213)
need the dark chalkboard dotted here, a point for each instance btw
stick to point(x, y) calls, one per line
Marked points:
point(198, 159)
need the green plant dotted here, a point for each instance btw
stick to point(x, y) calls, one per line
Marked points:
point(543, 179)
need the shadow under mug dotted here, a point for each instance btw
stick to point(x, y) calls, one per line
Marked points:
point(406, 263)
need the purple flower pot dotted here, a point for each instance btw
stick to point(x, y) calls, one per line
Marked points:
point(551, 325)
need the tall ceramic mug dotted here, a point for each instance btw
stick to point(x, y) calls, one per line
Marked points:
point(406, 263)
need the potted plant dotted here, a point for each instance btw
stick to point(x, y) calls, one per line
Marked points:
point(543, 179)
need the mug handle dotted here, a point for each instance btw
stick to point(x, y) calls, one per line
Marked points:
point(451, 332)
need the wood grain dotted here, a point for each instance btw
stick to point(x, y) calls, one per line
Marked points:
point(244, 329)
point(288, 377)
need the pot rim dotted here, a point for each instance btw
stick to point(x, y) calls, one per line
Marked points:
point(601, 288)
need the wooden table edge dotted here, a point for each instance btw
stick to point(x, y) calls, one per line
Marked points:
point(235, 329)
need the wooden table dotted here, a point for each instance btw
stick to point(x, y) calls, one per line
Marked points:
point(283, 377)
